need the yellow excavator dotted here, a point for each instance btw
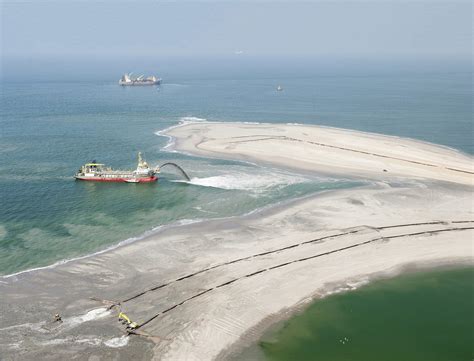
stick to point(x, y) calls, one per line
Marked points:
point(127, 321)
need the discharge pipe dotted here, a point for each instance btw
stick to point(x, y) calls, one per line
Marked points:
point(181, 170)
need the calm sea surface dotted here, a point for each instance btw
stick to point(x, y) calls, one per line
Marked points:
point(414, 317)
point(48, 130)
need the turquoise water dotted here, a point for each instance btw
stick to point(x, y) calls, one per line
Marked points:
point(414, 317)
point(48, 130)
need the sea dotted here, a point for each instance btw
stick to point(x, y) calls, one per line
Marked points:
point(426, 315)
point(48, 129)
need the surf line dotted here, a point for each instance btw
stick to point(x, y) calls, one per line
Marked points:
point(155, 288)
point(296, 261)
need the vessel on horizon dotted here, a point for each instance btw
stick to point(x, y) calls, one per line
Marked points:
point(128, 79)
point(98, 172)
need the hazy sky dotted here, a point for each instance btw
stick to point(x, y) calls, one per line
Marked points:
point(56, 29)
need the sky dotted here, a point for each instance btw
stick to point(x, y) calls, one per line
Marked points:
point(58, 32)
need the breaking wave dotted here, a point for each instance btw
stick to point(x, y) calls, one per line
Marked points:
point(192, 120)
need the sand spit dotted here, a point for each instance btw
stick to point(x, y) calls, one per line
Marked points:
point(324, 149)
point(200, 288)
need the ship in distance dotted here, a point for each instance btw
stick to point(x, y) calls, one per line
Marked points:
point(128, 79)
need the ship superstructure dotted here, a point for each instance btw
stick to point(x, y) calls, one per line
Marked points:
point(98, 172)
point(128, 79)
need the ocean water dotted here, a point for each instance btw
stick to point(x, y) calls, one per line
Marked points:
point(48, 130)
point(420, 316)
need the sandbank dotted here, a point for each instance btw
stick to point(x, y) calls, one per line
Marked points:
point(198, 289)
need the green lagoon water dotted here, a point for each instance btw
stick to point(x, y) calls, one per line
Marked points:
point(427, 316)
point(49, 129)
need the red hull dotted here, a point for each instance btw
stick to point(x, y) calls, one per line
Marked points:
point(119, 180)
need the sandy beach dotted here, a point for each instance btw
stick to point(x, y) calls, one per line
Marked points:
point(198, 291)
point(326, 150)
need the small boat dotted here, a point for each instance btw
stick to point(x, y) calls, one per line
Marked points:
point(279, 88)
point(98, 172)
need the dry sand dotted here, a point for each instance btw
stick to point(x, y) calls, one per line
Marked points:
point(324, 149)
point(203, 287)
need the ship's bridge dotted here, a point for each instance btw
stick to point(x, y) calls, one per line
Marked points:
point(94, 164)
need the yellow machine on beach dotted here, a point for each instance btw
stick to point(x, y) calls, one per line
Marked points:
point(126, 320)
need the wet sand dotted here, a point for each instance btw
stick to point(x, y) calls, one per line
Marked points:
point(201, 288)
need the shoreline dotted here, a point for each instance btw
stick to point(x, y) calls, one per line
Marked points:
point(171, 144)
point(222, 277)
point(155, 231)
point(152, 232)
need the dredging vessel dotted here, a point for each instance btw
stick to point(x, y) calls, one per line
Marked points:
point(127, 79)
point(98, 172)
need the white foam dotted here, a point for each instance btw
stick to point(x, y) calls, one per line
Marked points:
point(117, 342)
point(192, 119)
point(114, 342)
point(89, 316)
point(200, 209)
point(15, 345)
point(62, 341)
point(349, 286)
point(38, 327)
point(54, 342)
point(355, 285)
point(89, 341)
point(170, 142)
point(247, 181)
point(181, 121)
point(93, 341)
point(67, 324)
